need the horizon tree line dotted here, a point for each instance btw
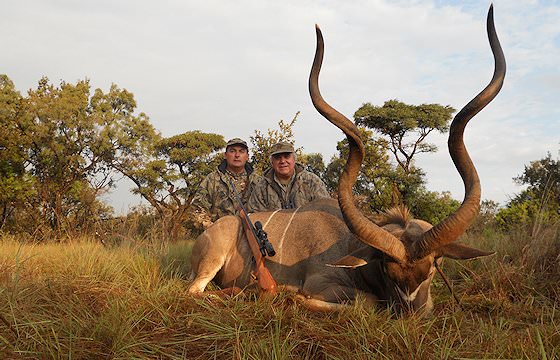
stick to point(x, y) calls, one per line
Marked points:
point(64, 146)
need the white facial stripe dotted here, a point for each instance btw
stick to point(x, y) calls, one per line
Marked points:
point(411, 297)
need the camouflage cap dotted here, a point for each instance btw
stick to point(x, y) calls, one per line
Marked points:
point(282, 147)
point(236, 141)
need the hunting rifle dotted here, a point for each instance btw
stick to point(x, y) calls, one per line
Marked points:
point(260, 247)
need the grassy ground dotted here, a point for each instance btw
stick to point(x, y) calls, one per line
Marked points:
point(81, 300)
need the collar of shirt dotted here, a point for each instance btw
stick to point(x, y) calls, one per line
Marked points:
point(236, 176)
point(284, 184)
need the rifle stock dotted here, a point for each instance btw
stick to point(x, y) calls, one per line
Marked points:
point(265, 281)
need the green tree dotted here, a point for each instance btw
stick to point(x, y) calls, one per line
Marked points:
point(373, 186)
point(65, 153)
point(262, 143)
point(485, 224)
point(406, 127)
point(380, 184)
point(523, 211)
point(16, 185)
point(191, 156)
point(59, 147)
point(397, 122)
point(432, 206)
point(543, 179)
point(314, 163)
point(170, 172)
point(538, 204)
point(194, 155)
point(127, 140)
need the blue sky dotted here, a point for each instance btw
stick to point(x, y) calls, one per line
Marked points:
point(233, 67)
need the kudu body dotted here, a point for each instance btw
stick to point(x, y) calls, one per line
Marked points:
point(331, 253)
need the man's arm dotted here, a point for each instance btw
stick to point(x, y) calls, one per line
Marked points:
point(202, 204)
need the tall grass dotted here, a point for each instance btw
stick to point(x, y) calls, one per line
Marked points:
point(82, 300)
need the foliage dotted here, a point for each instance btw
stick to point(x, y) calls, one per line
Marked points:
point(314, 163)
point(169, 178)
point(543, 177)
point(432, 206)
point(407, 186)
point(526, 210)
point(175, 168)
point(262, 143)
point(397, 121)
point(16, 185)
point(194, 155)
point(129, 140)
point(540, 202)
point(63, 147)
point(58, 155)
point(381, 185)
point(374, 179)
point(486, 218)
point(166, 171)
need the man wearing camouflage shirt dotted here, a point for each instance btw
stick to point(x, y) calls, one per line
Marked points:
point(215, 197)
point(287, 185)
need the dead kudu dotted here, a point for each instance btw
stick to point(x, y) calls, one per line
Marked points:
point(331, 253)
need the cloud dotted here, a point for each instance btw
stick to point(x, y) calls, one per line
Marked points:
point(233, 67)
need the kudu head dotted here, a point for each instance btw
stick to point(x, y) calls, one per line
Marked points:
point(409, 249)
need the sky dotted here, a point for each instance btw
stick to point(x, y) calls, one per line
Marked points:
point(233, 67)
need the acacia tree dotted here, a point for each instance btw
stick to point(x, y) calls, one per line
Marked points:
point(168, 171)
point(397, 122)
point(406, 127)
point(194, 155)
point(188, 158)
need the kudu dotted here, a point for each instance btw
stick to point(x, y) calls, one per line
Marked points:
point(332, 254)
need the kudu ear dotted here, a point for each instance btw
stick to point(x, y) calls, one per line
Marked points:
point(358, 258)
point(461, 252)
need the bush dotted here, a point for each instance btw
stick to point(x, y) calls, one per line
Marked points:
point(527, 211)
point(432, 206)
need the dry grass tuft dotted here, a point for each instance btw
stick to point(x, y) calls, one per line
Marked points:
point(82, 300)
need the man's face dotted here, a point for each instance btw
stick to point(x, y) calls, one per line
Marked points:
point(284, 165)
point(236, 157)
